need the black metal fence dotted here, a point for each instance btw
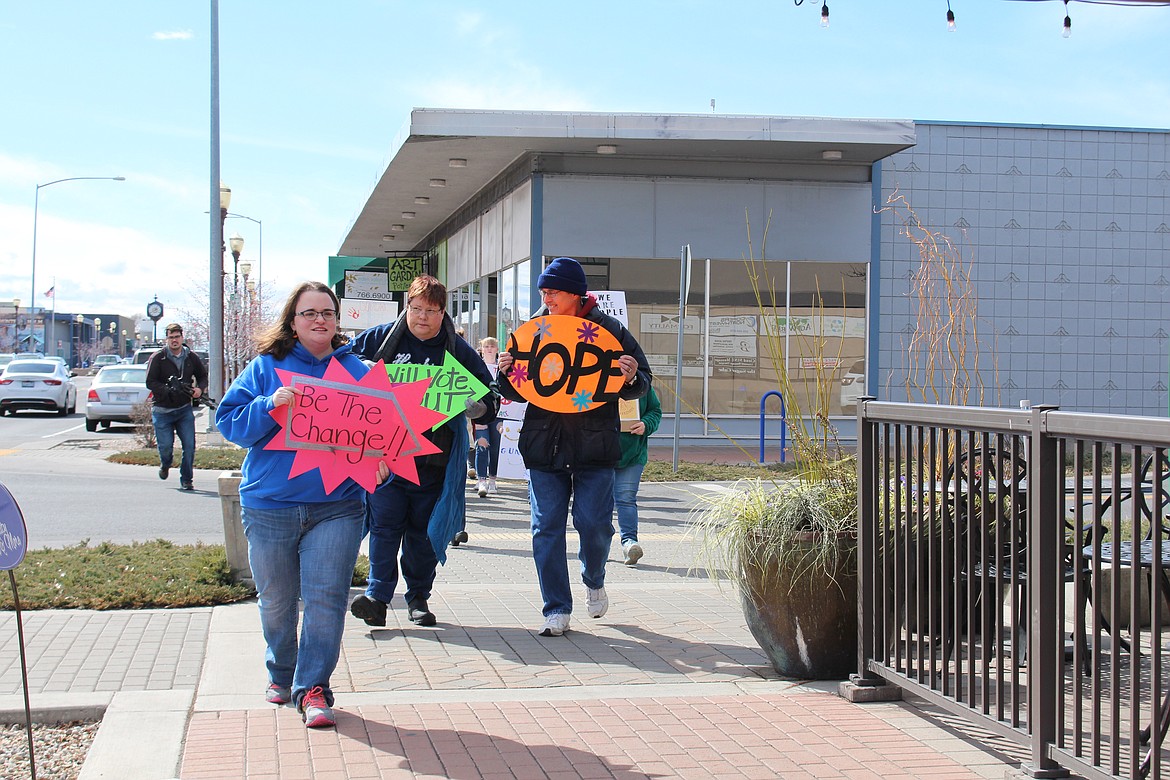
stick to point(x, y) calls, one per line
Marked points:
point(1007, 559)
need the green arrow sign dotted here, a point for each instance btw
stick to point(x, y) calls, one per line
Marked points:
point(452, 385)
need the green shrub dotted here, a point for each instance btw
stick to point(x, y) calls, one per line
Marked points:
point(144, 575)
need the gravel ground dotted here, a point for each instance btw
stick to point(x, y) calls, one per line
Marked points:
point(59, 750)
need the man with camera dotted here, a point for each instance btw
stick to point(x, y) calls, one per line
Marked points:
point(175, 377)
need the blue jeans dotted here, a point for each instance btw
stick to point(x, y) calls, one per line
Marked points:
point(487, 458)
point(625, 496)
point(549, 492)
point(168, 422)
point(399, 514)
point(306, 552)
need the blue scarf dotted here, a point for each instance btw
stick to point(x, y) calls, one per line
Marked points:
point(449, 511)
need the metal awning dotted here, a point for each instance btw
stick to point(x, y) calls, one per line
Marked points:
point(443, 158)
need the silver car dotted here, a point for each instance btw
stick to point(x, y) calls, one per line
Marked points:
point(37, 384)
point(115, 391)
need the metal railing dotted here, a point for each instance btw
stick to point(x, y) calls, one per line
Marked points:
point(994, 549)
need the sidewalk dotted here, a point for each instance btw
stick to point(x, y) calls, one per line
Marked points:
point(669, 684)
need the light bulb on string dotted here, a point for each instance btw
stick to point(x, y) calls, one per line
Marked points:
point(950, 18)
point(1067, 31)
point(825, 15)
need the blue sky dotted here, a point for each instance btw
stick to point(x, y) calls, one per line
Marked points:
point(312, 95)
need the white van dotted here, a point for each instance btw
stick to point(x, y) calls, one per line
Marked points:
point(142, 354)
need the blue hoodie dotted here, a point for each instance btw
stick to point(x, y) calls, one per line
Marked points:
point(243, 418)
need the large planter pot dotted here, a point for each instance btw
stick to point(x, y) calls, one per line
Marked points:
point(806, 620)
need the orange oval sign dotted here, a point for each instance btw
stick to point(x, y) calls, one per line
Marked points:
point(565, 364)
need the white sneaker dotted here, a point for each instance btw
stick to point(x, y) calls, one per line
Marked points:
point(633, 552)
point(481, 488)
point(555, 625)
point(491, 486)
point(596, 602)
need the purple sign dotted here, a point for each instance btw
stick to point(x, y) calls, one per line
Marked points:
point(13, 534)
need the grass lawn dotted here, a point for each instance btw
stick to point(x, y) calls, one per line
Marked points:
point(160, 574)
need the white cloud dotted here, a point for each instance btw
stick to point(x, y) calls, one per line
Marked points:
point(176, 35)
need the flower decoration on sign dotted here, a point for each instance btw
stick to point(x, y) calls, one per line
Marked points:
point(588, 332)
point(519, 374)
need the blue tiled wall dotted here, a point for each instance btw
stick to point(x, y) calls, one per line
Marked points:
point(1067, 233)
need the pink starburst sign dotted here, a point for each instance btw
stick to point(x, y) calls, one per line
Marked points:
point(345, 427)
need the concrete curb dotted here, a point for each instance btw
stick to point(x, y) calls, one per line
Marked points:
point(54, 708)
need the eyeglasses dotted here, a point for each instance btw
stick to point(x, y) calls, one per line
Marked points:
point(417, 312)
point(312, 314)
point(546, 294)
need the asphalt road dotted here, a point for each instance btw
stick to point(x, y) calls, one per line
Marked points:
point(69, 493)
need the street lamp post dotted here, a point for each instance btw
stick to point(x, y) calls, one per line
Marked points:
point(236, 242)
point(36, 209)
point(215, 331)
point(80, 320)
point(244, 318)
point(259, 252)
point(16, 324)
point(97, 336)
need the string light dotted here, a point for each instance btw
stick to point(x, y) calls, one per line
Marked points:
point(1067, 31)
point(825, 15)
point(950, 18)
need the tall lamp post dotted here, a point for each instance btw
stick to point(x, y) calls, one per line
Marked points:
point(80, 320)
point(244, 318)
point(97, 336)
point(236, 242)
point(36, 209)
point(16, 324)
point(215, 332)
point(260, 249)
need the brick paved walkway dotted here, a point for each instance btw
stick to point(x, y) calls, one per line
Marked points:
point(669, 684)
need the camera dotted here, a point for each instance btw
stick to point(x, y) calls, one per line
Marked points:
point(179, 386)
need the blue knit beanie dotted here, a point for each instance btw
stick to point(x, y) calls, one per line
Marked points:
point(564, 273)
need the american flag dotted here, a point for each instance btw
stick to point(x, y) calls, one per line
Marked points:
point(49, 292)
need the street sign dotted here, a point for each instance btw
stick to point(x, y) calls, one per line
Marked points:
point(13, 533)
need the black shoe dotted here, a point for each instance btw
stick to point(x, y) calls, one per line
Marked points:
point(370, 610)
point(187, 486)
point(164, 472)
point(459, 539)
point(419, 614)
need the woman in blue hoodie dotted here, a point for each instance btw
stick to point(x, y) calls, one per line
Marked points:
point(302, 542)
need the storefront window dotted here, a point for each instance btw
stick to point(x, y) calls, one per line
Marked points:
point(810, 317)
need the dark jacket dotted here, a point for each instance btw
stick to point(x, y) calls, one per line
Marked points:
point(552, 441)
point(161, 370)
point(392, 342)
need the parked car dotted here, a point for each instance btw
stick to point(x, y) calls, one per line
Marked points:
point(852, 387)
point(115, 391)
point(106, 360)
point(142, 354)
point(37, 384)
point(6, 358)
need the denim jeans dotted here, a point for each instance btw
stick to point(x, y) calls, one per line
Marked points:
point(487, 458)
point(168, 422)
point(399, 514)
point(625, 496)
point(305, 551)
point(549, 493)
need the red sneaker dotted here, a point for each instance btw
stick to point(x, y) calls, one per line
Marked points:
point(315, 712)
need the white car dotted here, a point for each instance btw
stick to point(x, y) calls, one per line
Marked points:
point(102, 361)
point(852, 387)
point(115, 391)
point(37, 384)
